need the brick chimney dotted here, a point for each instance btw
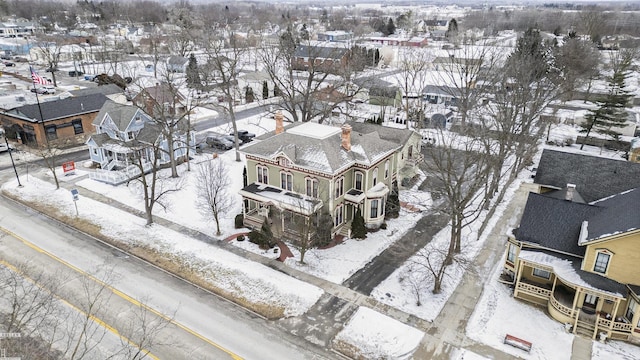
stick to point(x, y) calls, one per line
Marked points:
point(346, 137)
point(279, 124)
point(571, 189)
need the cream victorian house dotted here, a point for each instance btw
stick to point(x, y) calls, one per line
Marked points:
point(307, 167)
point(577, 248)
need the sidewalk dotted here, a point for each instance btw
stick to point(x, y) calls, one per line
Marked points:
point(443, 336)
point(330, 288)
point(449, 328)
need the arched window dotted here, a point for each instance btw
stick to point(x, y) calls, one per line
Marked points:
point(375, 176)
point(263, 174)
point(357, 183)
point(312, 187)
point(386, 169)
point(286, 181)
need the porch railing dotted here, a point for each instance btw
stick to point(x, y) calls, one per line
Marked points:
point(415, 159)
point(614, 325)
point(253, 219)
point(534, 290)
point(115, 177)
point(560, 308)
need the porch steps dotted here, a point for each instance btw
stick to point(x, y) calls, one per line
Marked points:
point(585, 329)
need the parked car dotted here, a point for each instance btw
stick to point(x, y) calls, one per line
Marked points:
point(219, 142)
point(244, 136)
point(89, 77)
point(20, 59)
point(52, 69)
point(39, 90)
point(5, 57)
point(9, 63)
point(74, 73)
point(44, 90)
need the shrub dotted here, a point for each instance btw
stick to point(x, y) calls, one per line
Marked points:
point(240, 238)
point(239, 221)
point(358, 229)
point(383, 226)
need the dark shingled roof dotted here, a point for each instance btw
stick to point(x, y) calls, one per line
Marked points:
point(554, 223)
point(108, 89)
point(635, 289)
point(57, 109)
point(619, 215)
point(595, 177)
point(320, 52)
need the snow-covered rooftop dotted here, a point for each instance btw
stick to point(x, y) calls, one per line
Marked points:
point(314, 130)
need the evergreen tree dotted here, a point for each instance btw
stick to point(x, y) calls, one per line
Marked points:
point(323, 228)
point(393, 202)
point(304, 32)
point(391, 27)
point(611, 111)
point(530, 53)
point(193, 76)
point(358, 230)
point(452, 30)
point(265, 90)
point(248, 94)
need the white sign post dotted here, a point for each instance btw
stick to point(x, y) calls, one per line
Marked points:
point(76, 197)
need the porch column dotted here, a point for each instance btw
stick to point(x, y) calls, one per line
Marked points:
point(575, 300)
point(518, 275)
point(282, 220)
point(613, 315)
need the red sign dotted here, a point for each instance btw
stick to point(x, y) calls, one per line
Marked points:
point(68, 167)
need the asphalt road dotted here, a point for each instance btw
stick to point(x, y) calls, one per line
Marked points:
point(203, 327)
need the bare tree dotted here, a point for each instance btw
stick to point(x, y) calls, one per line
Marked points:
point(213, 190)
point(429, 266)
point(146, 157)
point(50, 156)
point(313, 88)
point(464, 72)
point(460, 167)
point(413, 64)
point(170, 111)
point(49, 48)
point(223, 64)
point(142, 331)
point(578, 62)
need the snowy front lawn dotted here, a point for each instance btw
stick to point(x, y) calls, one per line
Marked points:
point(498, 313)
point(253, 284)
point(371, 335)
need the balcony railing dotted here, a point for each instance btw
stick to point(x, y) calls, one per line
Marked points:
point(415, 159)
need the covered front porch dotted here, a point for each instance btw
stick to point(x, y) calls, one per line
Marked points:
point(288, 213)
point(570, 297)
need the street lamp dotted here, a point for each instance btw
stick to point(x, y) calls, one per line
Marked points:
point(11, 156)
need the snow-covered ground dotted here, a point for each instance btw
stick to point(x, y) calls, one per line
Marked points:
point(376, 336)
point(498, 314)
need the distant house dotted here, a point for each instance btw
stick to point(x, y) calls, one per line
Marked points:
point(125, 133)
point(308, 167)
point(334, 36)
point(177, 64)
point(577, 247)
point(416, 41)
point(60, 123)
point(320, 58)
point(162, 99)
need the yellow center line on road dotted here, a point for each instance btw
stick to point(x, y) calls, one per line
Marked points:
point(89, 316)
point(120, 294)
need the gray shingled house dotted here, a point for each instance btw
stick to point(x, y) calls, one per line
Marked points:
point(308, 167)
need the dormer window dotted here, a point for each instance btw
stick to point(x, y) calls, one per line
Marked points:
point(601, 265)
point(282, 161)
